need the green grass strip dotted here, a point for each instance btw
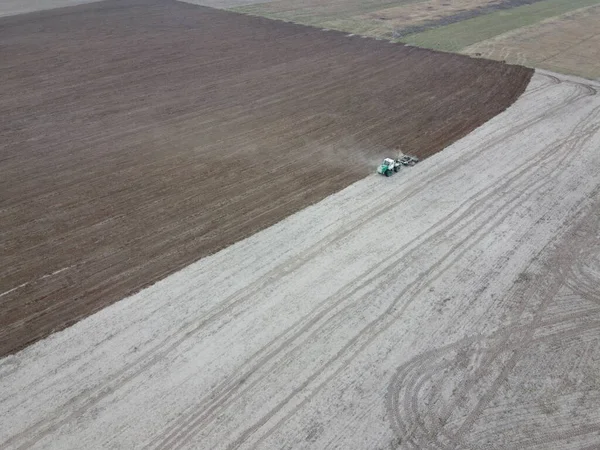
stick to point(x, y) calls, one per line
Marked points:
point(455, 37)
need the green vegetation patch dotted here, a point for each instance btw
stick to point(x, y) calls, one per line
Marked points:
point(455, 37)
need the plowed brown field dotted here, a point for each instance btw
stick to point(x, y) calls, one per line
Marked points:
point(137, 137)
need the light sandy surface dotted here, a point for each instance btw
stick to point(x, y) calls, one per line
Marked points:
point(13, 7)
point(454, 305)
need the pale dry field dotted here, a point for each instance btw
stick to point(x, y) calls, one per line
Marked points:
point(14, 7)
point(455, 305)
point(569, 43)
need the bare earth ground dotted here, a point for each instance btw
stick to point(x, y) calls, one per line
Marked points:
point(455, 305)
point(138, 137)
point(568, 43)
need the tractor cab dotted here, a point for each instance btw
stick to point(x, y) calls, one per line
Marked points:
point(388, 166)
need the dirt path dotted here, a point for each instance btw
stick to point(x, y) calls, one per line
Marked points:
point(140, 136)
point(454, 305)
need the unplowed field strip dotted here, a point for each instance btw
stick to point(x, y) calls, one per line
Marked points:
point(137, 137)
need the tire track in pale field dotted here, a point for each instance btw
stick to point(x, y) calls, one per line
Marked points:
point(557, 281)
point(485, 363)
point(580, 321)
point(419, 369)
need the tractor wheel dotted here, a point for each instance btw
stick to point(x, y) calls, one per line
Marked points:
point(388, 173)
point(395, 169)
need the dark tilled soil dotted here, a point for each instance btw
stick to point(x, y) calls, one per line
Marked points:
point(139, 136)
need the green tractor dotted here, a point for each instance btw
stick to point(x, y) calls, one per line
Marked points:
point(388, 167)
